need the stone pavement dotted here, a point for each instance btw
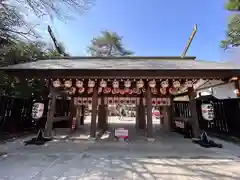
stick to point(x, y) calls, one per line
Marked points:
point(170, 157)
point(73, 157)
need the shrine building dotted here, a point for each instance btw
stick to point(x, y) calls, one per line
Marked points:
point(146, 82)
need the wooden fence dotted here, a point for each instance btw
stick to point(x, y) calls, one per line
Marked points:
point(226, 116)
point(15, 115)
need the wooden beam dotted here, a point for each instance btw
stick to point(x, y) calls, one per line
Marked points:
point(124, 73)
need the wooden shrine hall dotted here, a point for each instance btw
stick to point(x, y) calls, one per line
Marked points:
point(143, 81)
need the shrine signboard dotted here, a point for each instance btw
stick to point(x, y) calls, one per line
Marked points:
point(121, 133)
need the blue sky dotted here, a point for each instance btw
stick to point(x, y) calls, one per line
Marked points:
point(153, 27)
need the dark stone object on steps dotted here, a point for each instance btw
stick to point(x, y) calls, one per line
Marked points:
point(39, 140)
point(205, 142)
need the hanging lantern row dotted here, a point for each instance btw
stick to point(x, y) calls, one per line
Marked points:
point(127, 83)
point(136, 91)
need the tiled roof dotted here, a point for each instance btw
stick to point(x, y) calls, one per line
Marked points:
point(128, 63)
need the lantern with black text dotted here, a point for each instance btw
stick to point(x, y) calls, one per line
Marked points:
point(37, 110)
point(207, 111)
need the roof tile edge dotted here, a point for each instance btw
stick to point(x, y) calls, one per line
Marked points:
point(128, 57)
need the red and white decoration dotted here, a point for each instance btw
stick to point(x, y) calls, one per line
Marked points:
point(56, 83)
point(103, 83)
point(107, 90)
point(122, 91)
point(78, 101)
point(116, 100)
point(110, 101)
point(152, 83)
point(122, 100)
point(165, 84)
point(115, 91)
point(68, 83)
point(79, 83)
point(173, 90)
point(176, 84)
point(154, 102)
point(189, 83)
point(81, 90)
point(91, 83)
point(89, 100)
point(163, 91)
point(72, 91)
point(161, 87)
point(115, 84)
point(85, 101)
point(140, 84)
point(162, 102)
point(127, 83)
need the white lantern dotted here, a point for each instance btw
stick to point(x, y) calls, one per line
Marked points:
point(207, 111)
point(164, 84)
point(79, 84)
point(127, 83)
point(140, 84)
point(115, 84)
point(91, 83)
point(68, 83)
point(152, 83)
point(189, 83)
point(37, 110)
point(103, 83)
point(56, 83)
point(176, 84)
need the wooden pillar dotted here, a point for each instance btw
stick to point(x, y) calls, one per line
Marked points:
point(161, 112)
point(137, 117)
point(167, 118)
point(51, 112)
point(94, 113)
point(194, 117)
point(102, 115)
point(141, 115)
point(74, 115)
point(149, 113)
